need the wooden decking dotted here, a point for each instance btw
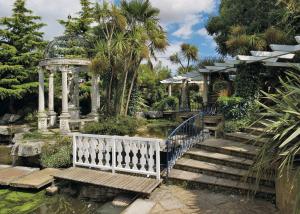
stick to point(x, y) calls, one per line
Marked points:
point(131, 183)
point(35, 180)
point(25, 177)
point(9, 174)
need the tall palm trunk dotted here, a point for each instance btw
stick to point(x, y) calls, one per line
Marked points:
point(130, 92)
point(124, 86)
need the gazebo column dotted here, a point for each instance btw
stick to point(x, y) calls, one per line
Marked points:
point(76, 93)
point(205, 89)
point(42, 116)
point(52, 113)
point(65, 116)
point(95, 97)
point(74, 110)
point(170, 90)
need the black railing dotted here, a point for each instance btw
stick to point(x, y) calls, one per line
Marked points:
point(183, 138)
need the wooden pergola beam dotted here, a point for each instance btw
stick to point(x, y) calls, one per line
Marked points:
point(279, 54)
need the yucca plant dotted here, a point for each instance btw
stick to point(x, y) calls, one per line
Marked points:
point(281, 122)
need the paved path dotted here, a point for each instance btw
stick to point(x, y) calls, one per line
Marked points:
point(174, 199)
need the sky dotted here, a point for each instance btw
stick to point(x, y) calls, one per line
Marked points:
point(184, 21)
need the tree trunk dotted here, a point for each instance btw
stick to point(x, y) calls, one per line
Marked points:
point(109, 91)
point(11, 106)
point(123, 93)
point(129, 92)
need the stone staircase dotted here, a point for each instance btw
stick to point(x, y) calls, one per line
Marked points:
point(223, 164)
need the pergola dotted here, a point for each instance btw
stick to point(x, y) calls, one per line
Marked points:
point(184, 80)
point(69, 68)
point(268, 58)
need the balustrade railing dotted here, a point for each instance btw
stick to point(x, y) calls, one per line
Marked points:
point(117, 153)
point(184, 137)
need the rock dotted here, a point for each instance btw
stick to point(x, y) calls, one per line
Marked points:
point(123, 200)
point(28, 149)
point(52, 190)
point(13, 129)
point(5, 130)
point(10, 118)
point(154, 114)
point(18, 137)
point(140, 115)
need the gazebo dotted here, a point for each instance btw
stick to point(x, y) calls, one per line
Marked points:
point(184, 80)
point(57, 59)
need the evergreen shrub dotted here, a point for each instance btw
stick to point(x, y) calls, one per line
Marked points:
point(113, 126)
point(168, 103)
point(58, 155)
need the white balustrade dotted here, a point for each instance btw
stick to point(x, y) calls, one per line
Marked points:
point(117, 153)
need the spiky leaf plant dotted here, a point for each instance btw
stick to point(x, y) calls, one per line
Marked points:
point(281, 122)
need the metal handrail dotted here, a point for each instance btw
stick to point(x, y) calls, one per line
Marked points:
point(184, 137)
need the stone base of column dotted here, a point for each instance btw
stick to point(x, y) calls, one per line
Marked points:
point(53, 118)
point(94, 115)
point(74, 113)
point(42, 121)
point(64, 123)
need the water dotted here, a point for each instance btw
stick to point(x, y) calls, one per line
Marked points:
point(17, 202)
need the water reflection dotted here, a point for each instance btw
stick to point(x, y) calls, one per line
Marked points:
point(16, 202)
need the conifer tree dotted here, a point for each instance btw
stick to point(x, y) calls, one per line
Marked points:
point(21, 44)
point(78, 26)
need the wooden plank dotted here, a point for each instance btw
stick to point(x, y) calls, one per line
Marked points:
point(107, 179)
point(35, 180)
point(10, 174)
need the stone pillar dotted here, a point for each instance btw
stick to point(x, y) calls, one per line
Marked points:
point(170, 90)
point(51, 112)
point(74, 100)
point(205, 89)
point(95, 97)
point(65, 116)
point(42, 116)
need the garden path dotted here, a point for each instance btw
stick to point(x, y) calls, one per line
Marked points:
point(176, 199)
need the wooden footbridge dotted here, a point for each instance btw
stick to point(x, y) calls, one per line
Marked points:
point(125, 163)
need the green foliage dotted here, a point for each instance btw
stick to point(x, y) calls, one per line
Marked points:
point(113, 126)
point(235, 107)
point(281, 121)
point(58, 155)
point(236, 125)
point(247, 82)
point(20, 52)
point(249, 25)
point(220, 85)
point(189, 54)
point(149, 86)
point(167, 104)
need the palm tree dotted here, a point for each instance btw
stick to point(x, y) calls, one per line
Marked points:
point(143, 20)
point(187, 54)
point(110, 22)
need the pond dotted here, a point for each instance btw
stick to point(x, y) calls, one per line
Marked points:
point(18, 202)
point(157, 128)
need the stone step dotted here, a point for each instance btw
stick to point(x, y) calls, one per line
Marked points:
point(228, 147)
point(218, 170)
point(198, 180)
point(246, 138)
point(254, 130)
point(219, 158)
